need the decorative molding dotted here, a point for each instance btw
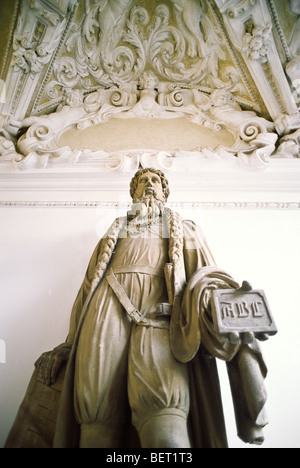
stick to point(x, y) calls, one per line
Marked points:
point(68, 24)
point(115, 42)
point(282, 38)
point(182, 205)
point(97, 44)
point(112, 60)
point(279, 181)
point(235, 56)
point(256, 43)
point(252, 137)
point(31, 55)
point(248, 23)
point(110, 43)
point(39, 32)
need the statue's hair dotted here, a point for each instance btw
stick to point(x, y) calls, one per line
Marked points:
point(164, 181)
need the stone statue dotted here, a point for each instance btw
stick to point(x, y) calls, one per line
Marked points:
point(138, 367)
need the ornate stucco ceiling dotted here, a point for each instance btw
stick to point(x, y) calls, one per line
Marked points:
point(230, 69)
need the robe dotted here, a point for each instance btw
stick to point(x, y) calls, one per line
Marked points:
point(192, 340)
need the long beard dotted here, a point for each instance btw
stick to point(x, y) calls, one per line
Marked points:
point(146, 209)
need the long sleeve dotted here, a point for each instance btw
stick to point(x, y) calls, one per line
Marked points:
point(191, 323)
point(245, 364)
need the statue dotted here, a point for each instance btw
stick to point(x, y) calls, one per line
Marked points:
point(138, 367)
point(225, 109)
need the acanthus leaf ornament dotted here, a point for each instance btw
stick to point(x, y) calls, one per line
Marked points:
point(116, 41)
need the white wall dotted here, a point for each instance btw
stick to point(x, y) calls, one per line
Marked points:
point(44, 254)
point(263, 247)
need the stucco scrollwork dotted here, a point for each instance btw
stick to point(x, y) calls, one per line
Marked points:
point(192, 46)
point(116, 41)
point(250, 138)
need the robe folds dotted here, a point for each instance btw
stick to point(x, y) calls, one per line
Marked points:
point(193, 340)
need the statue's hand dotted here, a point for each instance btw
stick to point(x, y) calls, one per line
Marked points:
point(246, 337)
point(49, 363)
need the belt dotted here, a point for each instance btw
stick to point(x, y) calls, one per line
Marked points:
point(139, 269)
point(162, 309)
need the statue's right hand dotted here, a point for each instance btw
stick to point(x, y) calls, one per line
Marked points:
point(49, 363)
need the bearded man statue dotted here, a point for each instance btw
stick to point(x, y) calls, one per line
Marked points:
point(141, 368)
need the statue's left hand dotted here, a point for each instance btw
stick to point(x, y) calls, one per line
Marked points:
point(236, 337)
point(246, 337)
point(49, 363)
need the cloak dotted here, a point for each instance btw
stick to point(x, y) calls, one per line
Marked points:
point(46, 416)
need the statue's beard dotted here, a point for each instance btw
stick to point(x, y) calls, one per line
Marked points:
point(146, 208)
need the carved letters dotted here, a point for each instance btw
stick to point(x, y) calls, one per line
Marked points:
point(237, 310)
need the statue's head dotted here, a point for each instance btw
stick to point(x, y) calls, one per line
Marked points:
point(149, 182)
point(220, 97)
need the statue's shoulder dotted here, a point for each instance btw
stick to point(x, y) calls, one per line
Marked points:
point(189, 224)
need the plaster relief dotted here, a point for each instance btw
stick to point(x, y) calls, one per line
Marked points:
point(126, 81)
point(99, 128)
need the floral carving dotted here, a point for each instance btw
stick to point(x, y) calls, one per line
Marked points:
point(257, 42)
point(28, 56)
point(31, 56)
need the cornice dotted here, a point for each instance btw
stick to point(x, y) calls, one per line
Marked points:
point(207, 186)
point(272, 205)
